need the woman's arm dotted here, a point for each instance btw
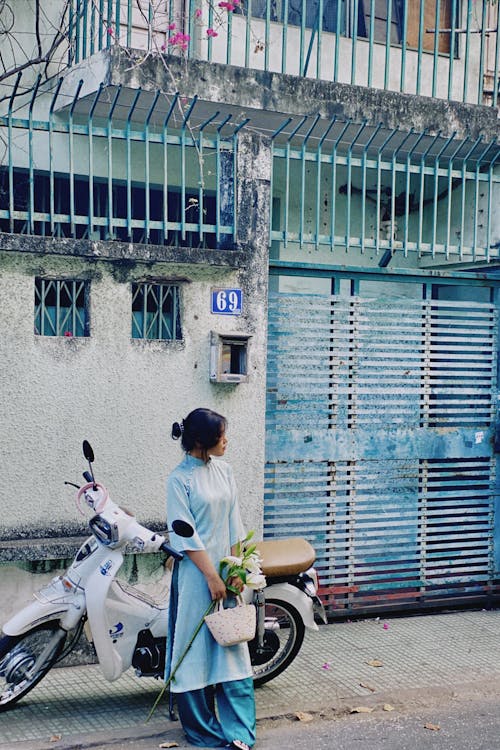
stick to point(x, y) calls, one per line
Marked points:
point(214, 581)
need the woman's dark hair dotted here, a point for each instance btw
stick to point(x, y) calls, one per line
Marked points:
point(202, 428)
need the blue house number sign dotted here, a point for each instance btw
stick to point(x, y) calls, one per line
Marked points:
point(227, 301)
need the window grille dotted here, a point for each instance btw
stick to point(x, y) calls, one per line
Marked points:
point(61, 307)
point(155, 312)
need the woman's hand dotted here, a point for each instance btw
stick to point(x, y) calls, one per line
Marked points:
point(217, 587)
point(236, 583)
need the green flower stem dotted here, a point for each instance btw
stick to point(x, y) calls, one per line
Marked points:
point(172, 674)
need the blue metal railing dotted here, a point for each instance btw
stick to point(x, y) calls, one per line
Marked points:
point(440, 48)
point(382, 191)
point(103, 176)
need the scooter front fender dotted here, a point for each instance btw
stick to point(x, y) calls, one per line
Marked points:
point(297, 598)
point(50, 604)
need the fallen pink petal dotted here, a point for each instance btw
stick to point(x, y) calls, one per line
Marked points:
point(386, 626)
point(326, 665)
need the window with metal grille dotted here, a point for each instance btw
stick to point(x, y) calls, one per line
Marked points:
point(61, 307)
point(155, 312)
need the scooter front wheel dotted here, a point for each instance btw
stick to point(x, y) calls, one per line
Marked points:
point(26, 658)
point(283, 637)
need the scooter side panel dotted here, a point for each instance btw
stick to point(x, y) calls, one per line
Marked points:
point(302, 603)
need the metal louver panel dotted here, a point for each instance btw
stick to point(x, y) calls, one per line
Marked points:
point(380, 432)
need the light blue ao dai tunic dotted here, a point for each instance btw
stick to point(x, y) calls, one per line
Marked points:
point(205, 496)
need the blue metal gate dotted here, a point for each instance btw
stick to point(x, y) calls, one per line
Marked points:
point(381, 413)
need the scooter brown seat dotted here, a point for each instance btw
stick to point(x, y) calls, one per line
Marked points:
point(286, 557)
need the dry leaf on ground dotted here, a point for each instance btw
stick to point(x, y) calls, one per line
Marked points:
point(169, 744)
point(368, 687)
point(361, 710)
point(55, 738)
point(434, 727)
point(388, 707)
point(302, 716)
point(375, 663)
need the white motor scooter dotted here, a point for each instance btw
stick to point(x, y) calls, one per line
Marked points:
point(128, 627)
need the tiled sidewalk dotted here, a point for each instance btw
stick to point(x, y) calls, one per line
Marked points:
point(336, 668)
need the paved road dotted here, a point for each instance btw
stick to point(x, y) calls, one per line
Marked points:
point(460, 723)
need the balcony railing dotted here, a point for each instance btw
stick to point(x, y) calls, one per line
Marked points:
point(440, 48)
point(100, 177)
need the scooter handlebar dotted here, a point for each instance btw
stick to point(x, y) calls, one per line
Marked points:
point(170, 551)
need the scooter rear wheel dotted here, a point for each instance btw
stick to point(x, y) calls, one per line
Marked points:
point(282, 641)
point(19, 653)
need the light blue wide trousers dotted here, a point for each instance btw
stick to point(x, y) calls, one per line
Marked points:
point(216, 715)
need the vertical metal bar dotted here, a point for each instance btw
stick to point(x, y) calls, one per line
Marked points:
point(311, 44)
point(51, 158)
point(109, 23)
point(183, 168)
point(435, 58)
point(337, 42)
point(497, 60)
point(248, 31)
point(467, 49)
point(408, 189)
point(450, 185)
point(100, 24)
point(388, 30)
point(422, 188)
point(129, 23)
point(147, 206)
point(93, 11)
point(229, 45)
point(267, 35)
point(72, 33)
point(173, 103)
point(349, 177)
point(333, 213)
point(489, 210)
point(320, 39)
point(354, 30)
point(9, 148)
point(421, 23)
point(117, 20)
point(129, 162)
point(31, 202)
point(302, 36)
point(91, 161)
point(78, 41)
point(462, 212)
point(480, 160)
point(303, 180)
point(379, 182)
point(318, 179)
point(110, 162)
point(371, 41)
point(404, 43)
point(287, 177)
point(363, 183)
point(436, 191)
point(210, 26)
point(393, 186)
point(273, 137)
point(72, 161)
point(284, 37)
point(482, 54)
point(453, 42)
point(85, 29)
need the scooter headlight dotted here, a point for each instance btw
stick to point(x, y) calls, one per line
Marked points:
point(105, 532)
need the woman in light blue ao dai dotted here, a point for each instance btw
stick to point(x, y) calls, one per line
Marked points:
point(214, 684)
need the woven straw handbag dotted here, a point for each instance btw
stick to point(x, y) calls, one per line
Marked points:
point(233, 625)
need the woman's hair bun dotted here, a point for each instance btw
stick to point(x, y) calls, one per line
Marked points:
point(177, 430)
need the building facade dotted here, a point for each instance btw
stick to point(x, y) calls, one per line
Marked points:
point(286, 211)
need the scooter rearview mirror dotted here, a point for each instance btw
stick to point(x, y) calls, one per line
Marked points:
point(87, 451)
point(182, 528)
